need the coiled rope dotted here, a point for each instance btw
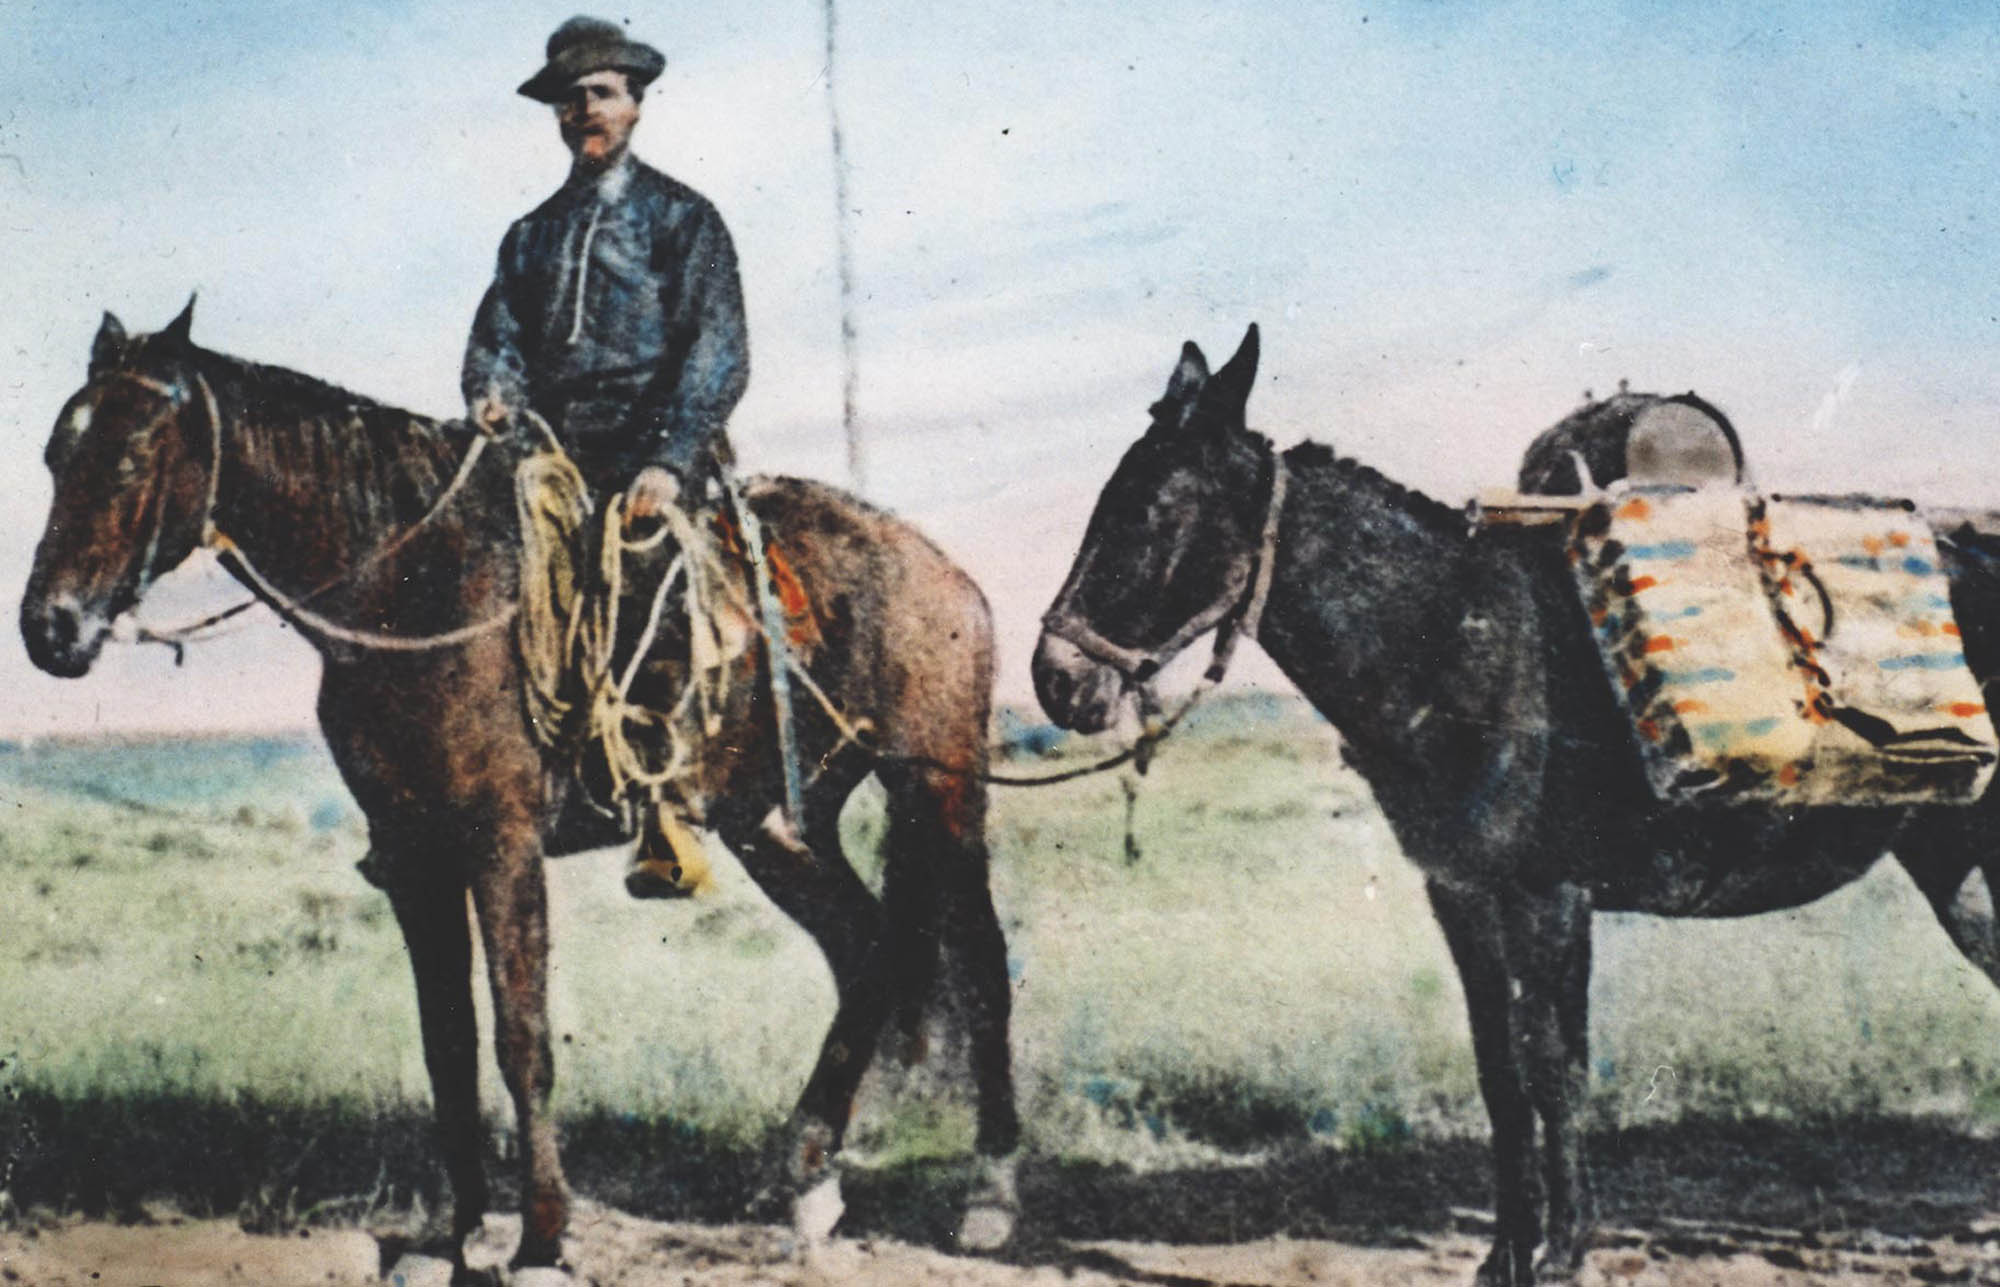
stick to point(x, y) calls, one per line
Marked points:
point(569, 628)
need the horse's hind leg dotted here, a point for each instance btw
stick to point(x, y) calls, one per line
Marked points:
point(827, 898)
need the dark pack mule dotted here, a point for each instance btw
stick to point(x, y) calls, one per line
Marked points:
point(325, 501)
point(1458, 668)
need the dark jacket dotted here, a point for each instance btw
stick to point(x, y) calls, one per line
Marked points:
point(616, 313)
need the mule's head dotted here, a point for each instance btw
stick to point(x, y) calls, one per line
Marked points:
point(130, 458)
point(1169, 550)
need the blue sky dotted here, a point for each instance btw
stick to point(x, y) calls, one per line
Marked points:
point(1449, 218)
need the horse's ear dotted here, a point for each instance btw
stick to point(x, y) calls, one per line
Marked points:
point(109, 347)
point(1229, 392)
point(177, 331)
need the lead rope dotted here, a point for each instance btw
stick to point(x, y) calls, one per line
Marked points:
point(1156, 730)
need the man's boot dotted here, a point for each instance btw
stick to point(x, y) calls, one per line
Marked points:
point(671, 862)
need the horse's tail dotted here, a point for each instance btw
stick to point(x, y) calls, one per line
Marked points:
point(913, 901)
point(934, 861)
point(935, 880)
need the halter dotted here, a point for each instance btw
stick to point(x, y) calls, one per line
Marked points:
point(293, 608)
point(1237, 612)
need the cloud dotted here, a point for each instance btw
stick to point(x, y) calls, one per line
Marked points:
point(1829, 406)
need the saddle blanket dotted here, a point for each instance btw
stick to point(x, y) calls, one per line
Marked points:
point(1787, 651)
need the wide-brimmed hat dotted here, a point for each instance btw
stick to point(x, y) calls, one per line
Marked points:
point(584, 45)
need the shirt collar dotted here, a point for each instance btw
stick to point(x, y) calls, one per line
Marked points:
point(606, 186)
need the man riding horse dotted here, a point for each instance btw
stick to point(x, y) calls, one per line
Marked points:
point(615, 311)
point(615, 314)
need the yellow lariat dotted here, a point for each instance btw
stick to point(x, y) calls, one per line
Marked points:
point(568, 630)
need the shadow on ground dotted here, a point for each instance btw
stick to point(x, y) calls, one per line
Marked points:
point(276, 1166)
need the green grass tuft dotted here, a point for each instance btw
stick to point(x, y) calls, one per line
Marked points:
point(181, 925)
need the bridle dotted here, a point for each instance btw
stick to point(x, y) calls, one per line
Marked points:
point(293, 608)
point(176, 398)
point(1237, 612)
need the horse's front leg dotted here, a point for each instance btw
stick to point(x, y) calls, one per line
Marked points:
point(1475, 930)
point(430, 908)
point(511, 897)
point(1548, 946)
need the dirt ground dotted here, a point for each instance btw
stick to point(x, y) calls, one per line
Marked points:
point(1694, 1205)
point(612, 1249)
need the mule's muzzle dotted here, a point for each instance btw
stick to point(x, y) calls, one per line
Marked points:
point(1075, 690)
point(61, 637)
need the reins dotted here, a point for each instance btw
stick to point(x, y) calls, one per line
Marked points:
point(292, 607)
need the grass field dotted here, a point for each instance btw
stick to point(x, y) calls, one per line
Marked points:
point(194, 976)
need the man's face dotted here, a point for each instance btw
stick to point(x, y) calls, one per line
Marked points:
point(597, 116)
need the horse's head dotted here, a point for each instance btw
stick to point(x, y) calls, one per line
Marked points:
point(131, 459)
point(1170, 550)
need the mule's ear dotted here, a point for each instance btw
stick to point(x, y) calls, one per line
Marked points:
point(108, 349)
point(1229, 392)
point(177, 331)
point(1184, 388)
point(1190, 374)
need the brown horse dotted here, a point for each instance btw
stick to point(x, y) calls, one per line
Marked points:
point(358, 522)
point(1457, 665)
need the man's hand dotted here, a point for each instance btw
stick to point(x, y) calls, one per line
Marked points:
point(654, 490)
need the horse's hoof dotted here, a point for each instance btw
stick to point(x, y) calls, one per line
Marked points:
point(540, 1276)
point(1559, 1265)
point(985, 1229)
point(413, 1270)
point(816, 1211)
point(1507, 1266)
point(991, 1209)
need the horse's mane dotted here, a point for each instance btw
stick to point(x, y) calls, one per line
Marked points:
point(284, 389)
point(1311, 457)
point(359, 467)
